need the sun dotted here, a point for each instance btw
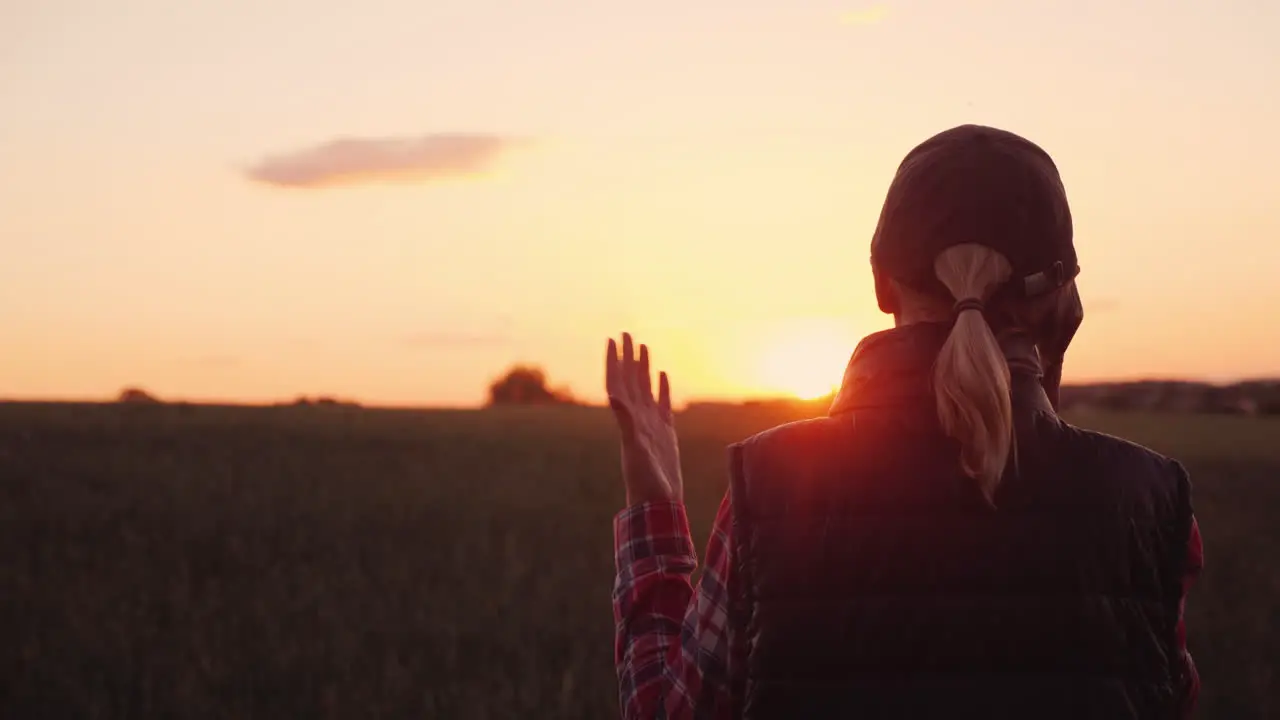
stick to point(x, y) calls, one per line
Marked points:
point(806, 358)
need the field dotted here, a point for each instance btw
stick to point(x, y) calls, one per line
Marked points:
point(193, 562)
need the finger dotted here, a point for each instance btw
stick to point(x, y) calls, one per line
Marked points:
point(627, 379)
point(664, 392)
point(646, 382)
point(611, 370)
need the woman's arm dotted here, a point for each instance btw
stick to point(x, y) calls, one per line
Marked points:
point(1190, 677)
point(675, 649)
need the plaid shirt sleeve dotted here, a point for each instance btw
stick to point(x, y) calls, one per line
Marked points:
point(675, 650)
point(1190, 676)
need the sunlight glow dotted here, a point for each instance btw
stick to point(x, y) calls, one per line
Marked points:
point(868, 16)
point(806, 358)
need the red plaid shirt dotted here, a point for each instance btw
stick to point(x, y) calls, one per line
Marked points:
point(677, 654)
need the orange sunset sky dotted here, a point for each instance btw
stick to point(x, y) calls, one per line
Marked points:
point(394, 200)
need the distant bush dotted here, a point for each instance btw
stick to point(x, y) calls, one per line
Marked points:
point(527, 385)
point(137, 396)
point(324, 401)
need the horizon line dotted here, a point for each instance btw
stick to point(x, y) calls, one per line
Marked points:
point(315, 399)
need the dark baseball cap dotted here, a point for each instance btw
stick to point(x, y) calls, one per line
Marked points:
point(977, 184)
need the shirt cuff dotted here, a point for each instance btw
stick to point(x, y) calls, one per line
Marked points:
point(651, 530)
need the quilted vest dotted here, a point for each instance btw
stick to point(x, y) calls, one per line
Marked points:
point(877, 582)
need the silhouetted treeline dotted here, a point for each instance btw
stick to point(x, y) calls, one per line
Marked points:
point(324, 401)
point(1257, 397)
point(527, 385)
point(138, 396)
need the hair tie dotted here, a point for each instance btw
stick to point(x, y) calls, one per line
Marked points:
point(972, 303)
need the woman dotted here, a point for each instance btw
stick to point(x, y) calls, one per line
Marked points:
point(942, 544)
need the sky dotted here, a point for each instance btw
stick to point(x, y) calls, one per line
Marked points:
point(393, 200)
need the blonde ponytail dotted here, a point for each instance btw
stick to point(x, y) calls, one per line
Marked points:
point(971, 376)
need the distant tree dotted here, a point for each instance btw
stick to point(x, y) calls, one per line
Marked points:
point(324, 401)
point(526, 385)
point(137, 396)
point(1266, 395)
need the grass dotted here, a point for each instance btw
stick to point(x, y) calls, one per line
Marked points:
point(337, 563)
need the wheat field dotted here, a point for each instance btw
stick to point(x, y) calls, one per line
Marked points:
point(211, 562)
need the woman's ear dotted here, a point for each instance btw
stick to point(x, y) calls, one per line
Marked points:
point(886, 293)
point(1061, 323)
point(1055, 338)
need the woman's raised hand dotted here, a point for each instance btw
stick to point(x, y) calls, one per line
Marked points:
point(650, 453)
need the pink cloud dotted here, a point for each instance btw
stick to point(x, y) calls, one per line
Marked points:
point(351, 161)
